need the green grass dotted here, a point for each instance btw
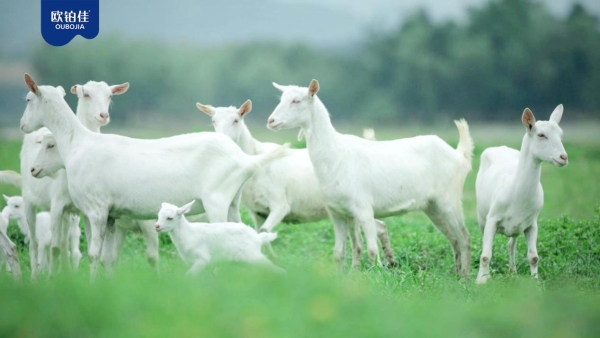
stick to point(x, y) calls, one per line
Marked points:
point(422, 297)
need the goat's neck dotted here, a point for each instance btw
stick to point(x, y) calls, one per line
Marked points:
point(86, 120)
point(321, 137)
point(527, 176)
point(245, 140)
point(60, 120)
point(181, 233)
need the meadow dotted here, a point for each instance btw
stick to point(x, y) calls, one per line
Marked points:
point(422, 297)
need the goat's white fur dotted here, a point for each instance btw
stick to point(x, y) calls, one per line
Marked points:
point(10, 177)
point(51, 193)
point(112, 176)
point(509, 192)
point(285, 190)
point(200, 244)
point(363, 179)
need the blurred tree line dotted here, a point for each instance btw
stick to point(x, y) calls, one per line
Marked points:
point(508, 55)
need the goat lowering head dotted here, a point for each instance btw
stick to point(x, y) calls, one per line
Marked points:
point(545, 137)
point(47, 160)
point(294, 107)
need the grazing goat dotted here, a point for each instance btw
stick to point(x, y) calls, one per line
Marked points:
point(200, 244)
point(364, 179)
point(112, 176)
point(285, 190)
point(509, 193)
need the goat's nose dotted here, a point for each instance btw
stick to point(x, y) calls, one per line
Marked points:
point(271, 120)
point(564, 157)
point(32, 170)
point(157, 227)
point(104, 116)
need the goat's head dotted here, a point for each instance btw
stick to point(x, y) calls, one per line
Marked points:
point(227, 120)
point(545, 137)
point(47, 160)
point(38, 100)
point(170, 215)
point(95, 98)
point(294, 108)
point(14, 207)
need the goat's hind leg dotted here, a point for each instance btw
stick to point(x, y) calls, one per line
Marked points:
point(386, 245)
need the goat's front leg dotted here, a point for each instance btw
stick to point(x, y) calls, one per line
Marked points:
point(98, 224)
point(197, 267)
point(486, 252)
point(386, 245)
point(512, 251)
point(532, 254)
point(58, 248)
point(29, 210)
point(340, 230)
point(151, 237)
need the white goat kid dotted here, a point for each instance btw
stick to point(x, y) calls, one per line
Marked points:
point(200, 244)
point(363, 179)
point(52, 194)
point(112, 176)
point(287, 189)
point(14, 210)
point(509, 193)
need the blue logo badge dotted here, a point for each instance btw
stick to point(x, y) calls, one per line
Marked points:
point(62, 20)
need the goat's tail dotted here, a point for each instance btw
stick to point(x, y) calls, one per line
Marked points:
point(267, 237)
point(10, 177)
point(465, 142)
point(264, 159)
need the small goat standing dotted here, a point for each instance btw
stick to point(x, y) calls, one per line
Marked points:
point(199, 244)
point(509, 193)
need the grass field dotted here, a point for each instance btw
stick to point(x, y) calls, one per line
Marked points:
point(420, 298)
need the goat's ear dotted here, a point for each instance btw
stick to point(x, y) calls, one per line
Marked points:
point(74, 89)
point(313, 87)
point(300, 134)
point(32, 85)
point(5, 198)
point(61, 90)
point(205, 109)
point(119, 89)
point(278, 86)
point(245, 108)
point(557, 114)
point(186, 208)
point(528, 119)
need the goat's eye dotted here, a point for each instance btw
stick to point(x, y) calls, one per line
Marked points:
point(16, 206)
point(28, 100)
point(236, 121)
point(86, 95)
point(50, 146)
point(295, 101)
point(169, 218)
point(540, 135)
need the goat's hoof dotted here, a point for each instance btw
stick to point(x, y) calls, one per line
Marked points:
point(482, 279)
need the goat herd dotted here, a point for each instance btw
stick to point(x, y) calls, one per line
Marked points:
point(121, 183)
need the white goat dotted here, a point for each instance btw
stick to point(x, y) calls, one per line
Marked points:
point(14, 210)
point(49, 163)
point(369, 134)
point(52, 193)
point(363, 179)
point(199, 244)
point(9, 255)
point(285, 190)
point(509, 193)
point(112, 176)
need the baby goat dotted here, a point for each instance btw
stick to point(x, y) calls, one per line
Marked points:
point(199, 244)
